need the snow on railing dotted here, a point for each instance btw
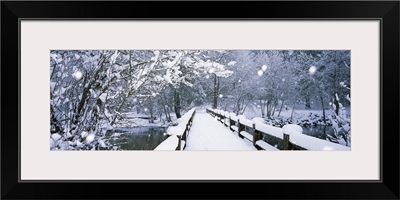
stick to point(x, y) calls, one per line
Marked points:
point(268, 129)
point(297, 138)
point(245, 122)
point(178, 133)
point(291, 135)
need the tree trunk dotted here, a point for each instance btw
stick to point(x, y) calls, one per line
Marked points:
point(169, 115)
point(137, 109)
point(336, 103)
point(280, 110)
point(164, 104)
point(177, 103)
point(86, 90)
point(275, 105)
point(119, 110)
point(151, 119)
point(269, 108)
point(294, 104)
point(215, 92)
point(262, 108)
point(323, 108)
point(308, 102)
point(54, 122)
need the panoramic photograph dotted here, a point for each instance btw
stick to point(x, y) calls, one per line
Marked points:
point(199, 100)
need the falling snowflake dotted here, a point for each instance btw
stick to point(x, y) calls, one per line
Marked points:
point(239, 80)
point(211, 70)
point(264, 67)
point(208, 76)
point(220, 96)
point(260, 73)
point(312, 70)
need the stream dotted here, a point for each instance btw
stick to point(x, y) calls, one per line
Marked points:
point(139, 138)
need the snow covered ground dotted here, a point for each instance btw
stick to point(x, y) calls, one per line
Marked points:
point(208, 134)
point(298, 114)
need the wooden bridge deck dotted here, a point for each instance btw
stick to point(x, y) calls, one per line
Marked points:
point(209, 134)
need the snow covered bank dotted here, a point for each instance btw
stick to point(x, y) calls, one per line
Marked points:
point(133, 119)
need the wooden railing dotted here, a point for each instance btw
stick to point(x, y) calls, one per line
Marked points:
point(179, 133)
point(289, 137)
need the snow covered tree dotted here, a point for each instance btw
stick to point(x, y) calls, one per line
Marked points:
point(181, 68)
point(274, 76)
point(89, 89)
point(214, 68)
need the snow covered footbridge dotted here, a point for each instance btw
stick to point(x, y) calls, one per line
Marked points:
point(221, 130)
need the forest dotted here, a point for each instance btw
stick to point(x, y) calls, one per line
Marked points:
point(94, 93)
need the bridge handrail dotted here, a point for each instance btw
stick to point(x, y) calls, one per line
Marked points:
point(292, 140)
point(178, 133)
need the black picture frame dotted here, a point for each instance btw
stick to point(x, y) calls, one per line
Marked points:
point(386, 11)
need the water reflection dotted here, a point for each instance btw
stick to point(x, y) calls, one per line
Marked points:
point(139, 138)
point(320, 132)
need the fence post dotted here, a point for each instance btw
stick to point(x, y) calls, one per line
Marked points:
point(288, 130)
point(185, 132)
point(188, 126)
point(286, 141)
point(178, 148)
point(240, 128)
point(230, 123)
point(257, 135)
